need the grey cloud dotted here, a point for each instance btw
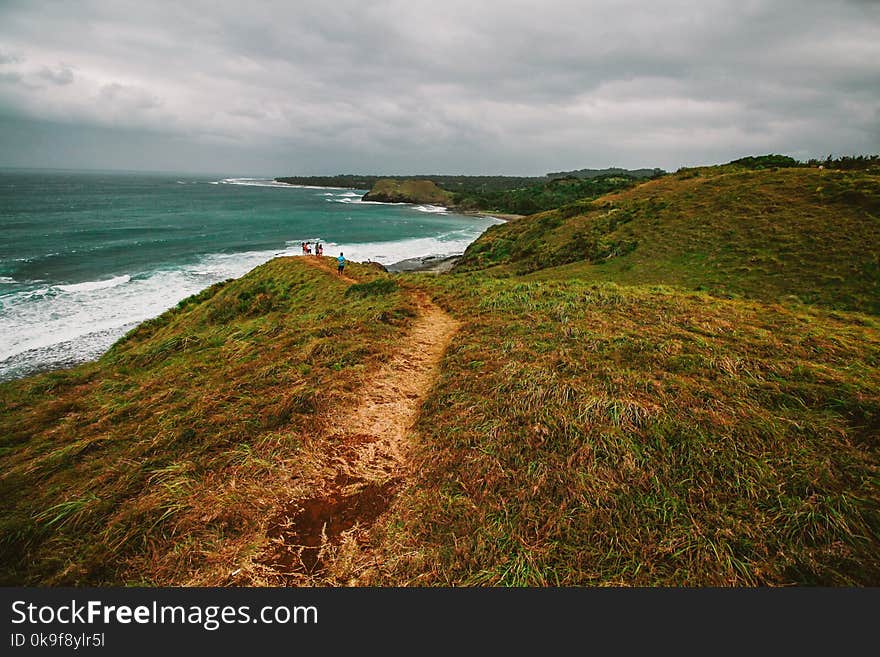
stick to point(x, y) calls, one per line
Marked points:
point(506, 87)
point(128, 97)
point(62, 75)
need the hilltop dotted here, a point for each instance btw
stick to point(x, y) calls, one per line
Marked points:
point(801, 234)
point(677, 383)
point(610, 171)
point(498, 194)
point(387, 190)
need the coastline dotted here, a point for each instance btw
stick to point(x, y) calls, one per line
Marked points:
point(502, 216)
point(435, 264)
point(424, 264)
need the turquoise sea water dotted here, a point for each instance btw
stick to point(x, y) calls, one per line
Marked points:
point(84, 256)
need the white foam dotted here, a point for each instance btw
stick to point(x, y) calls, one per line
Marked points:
point(268, 182)
point(357, 201)
point(6, 279)
point(452, 243)
point(252, 182)
point(72, 323)
point(90, 286)
point(312, 186)
point(432, 209)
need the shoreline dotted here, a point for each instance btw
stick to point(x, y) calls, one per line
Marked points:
point(433, 264)
point(502, 216)
point(440, 264)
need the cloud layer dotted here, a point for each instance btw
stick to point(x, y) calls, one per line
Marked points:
point(405, 86)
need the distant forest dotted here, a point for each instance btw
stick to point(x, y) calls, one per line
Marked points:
point(611, 171)
point(449, 183)
point(512, 194)
point(527, 195)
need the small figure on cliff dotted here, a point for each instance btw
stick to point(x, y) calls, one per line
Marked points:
point(303, 246)
point(319, 249)
point(341, 266)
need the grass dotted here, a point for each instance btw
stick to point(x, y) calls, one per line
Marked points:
point(677, 384)
point(597, 434)
point(408, 191)
point(802, 235)
point(158, 463)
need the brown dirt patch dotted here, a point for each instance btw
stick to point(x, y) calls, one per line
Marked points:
point(305, 526)
point(367, 461)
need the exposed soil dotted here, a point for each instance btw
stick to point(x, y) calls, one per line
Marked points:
point(305, 526)
point(368, 460)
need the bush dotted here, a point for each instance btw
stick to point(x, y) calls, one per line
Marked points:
point(766, 161)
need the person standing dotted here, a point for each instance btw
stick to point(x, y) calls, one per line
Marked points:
point(341, 265)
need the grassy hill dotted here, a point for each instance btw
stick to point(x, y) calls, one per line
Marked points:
point(803, 234)
point(160, 463)
point(388, 190)
point(597, 434)
point(676, 384)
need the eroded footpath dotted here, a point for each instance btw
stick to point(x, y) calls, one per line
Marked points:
point(366, 463)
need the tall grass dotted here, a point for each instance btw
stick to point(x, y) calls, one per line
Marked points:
point(160, 463)
point(594, 434)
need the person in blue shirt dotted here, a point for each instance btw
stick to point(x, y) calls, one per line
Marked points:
point(341, 266)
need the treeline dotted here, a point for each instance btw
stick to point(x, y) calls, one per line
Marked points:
point(843, 163)
point(767, 161)
point(463, 184)
point(527, 195)
point(544, 196)
point(343, 180)
point(509, 194)
point(611, 171)
point(848, 162)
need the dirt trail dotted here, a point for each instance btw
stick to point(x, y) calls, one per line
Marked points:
point(368, 456)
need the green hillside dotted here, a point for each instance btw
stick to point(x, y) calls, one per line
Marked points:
point(159, 463)
point(676, 384)
point(800, 234)
point(388, 190)
point(598, 434)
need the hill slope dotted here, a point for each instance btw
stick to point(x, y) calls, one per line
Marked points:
point(160, 463)
point(579, 431)
point(596, 434)
point(407, 191)
point(805, 233)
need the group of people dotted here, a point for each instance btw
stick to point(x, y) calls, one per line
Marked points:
point(319, 250)
point(307, 248)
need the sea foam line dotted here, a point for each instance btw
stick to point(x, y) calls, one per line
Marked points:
point(90, 286)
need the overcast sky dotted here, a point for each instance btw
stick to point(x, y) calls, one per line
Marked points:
point(451, 86)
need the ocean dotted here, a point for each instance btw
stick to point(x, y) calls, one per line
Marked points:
point(86, 256)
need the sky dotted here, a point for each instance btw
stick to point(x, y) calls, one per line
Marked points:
point(405, 86)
